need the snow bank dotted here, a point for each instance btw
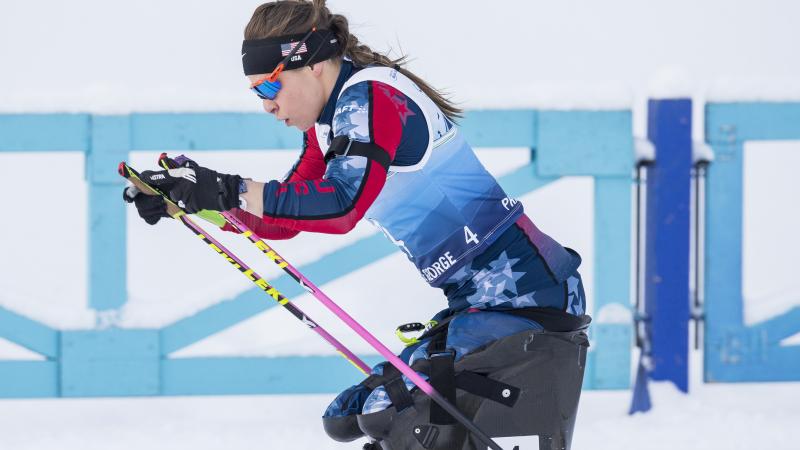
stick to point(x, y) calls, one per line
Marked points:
point(713, 417)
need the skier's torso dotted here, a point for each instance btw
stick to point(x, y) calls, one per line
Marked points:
point(439, 205)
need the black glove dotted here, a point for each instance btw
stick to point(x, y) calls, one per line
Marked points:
point(151, 208)
point(194, 187)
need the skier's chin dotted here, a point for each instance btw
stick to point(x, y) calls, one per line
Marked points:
point(302, 126)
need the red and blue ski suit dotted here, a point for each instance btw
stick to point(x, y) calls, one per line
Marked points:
point(436, 201)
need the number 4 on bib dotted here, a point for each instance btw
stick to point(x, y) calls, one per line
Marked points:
point(469, 236)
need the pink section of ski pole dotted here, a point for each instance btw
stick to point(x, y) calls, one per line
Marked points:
point(374, 342)
point(305, 319)
point(341, 314)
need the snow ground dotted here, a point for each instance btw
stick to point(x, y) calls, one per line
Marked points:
point(746, 416)
point(713, 417)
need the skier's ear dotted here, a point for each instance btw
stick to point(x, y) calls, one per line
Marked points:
point(317, 69)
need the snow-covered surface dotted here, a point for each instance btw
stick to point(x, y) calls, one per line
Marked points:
point(791, 340)
point(43, 263)
point(702, 151)
point(769, 89)
point(671, 82)
point(713, 417)
point(614, 313)
point(10, 350)
point(771, 223)
point(644, 150)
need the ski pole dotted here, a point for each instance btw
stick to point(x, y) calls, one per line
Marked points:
point(361, 331)
point(177, 213)
point(404, 368)
point(366, 335)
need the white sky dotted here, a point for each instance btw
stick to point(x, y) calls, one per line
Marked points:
point(184, 55)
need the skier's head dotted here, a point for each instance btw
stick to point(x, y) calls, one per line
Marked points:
point(306, 81)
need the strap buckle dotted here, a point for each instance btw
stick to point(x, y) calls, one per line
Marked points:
point(347, 149)
point(412, 328)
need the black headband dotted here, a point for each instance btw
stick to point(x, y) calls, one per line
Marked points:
point(264, 55)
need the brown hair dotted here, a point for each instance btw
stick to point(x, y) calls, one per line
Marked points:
point(298, 16)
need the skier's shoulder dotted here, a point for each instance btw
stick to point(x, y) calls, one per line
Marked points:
point(372, 102)
point(363, 84)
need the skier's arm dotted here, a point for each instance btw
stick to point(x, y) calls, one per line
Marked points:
point(309, 165)
point(335, 202)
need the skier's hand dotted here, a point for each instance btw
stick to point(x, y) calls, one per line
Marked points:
point(151, 208)
point(194, 187)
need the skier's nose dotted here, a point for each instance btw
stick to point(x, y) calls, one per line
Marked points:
point(270, 106)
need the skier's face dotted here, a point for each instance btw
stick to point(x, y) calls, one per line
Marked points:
point(302, 96)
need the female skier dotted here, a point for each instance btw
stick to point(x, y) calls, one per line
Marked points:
point(380, 143)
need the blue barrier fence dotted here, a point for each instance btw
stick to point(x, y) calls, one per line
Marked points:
point(668, 240)
point(107, 362)
point(734, 351)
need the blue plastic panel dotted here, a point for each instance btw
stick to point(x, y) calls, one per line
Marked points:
point(210, 131)
point(110, 362)
point(743, 121)
point(27, 379)
point(667, 243)
point(778, 328)
point(28, 333)
point(287, 375)
point(500, 128)
point(585, 143)
point(44, 132)
point(107, 247)
point(723, 236)
point(735, 352)
point(608, 362)
point(110, 144)
point(609, 359)
point(748, 354)
point(612, 241)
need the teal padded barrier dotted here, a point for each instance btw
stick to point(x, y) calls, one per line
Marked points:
point(210, 131)
point(490, 128)
point(285, 375)
point(44, 132)
point(733, 351)
point(110, 362)
point(28, 333)
point(29, 379)
point(110, 143)
point(611, 331)
point(593, 143)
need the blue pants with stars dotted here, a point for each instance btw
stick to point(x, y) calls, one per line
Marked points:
point(466, 333)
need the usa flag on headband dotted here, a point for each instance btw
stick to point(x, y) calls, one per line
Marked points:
point(287, 48)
